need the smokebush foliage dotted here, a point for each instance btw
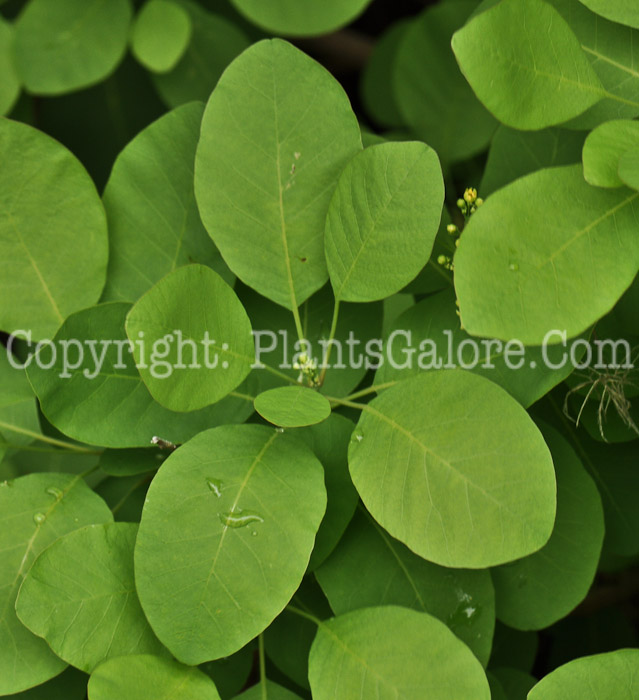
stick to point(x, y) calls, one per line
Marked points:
point(287, 521)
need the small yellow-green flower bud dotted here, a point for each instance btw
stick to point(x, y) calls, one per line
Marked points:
point(479, 202)
point(442, 260)
point(452, 229)
point(461, 204)
point(470, 195)
point(457, 242)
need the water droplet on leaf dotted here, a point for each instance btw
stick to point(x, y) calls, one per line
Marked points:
point(215, 485)
point(39, 518)
point(54, 491)
point(240, 518)
point(513, 267)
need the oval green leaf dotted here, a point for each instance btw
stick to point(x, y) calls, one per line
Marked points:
point(292, 406)
point(383, 219)
point(535, 248)
point(432, 94)
point(370, 568)
point(145, 676)
point(526, 65)
point(34, 511)
point(161, 35)
point(620, 11)
point(79, 595)
point(537, 591)
point(281, 160)
point(236, 503)
point(452, 466)
point(603, 149)
point(19, 421)
point(379, 652)
point(612, 675)
point(66, 45)
point(198, 331)
point(301, 17)
point(43, 187)
point(154, 224)
point(102, 399)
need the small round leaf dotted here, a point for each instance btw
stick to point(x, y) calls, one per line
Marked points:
point(292, 406)
point(161, 35)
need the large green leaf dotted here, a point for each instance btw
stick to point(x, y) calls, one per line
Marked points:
point(612, 675)
point(79, 595)
point(329, 441)
point(69, 44)
point(18, 411)
point(226, 535)
point(300, 17)
point(525, 64)
point(383, 219)
point(604, 148)
point(370, 568)
point(429, 336)
point(214, 43)
point(621, 11)
point(431, 93)
point(454, 468)
point(292, 406)
point(548, 252)
point(610, 48)
point(34, 511)
point(194, 323)
point(145, 676)
point(161, 35)
point(276, 133)
point(536, 591)
point(103, 401)
point(53, 236)
point(9, 83)
point(382, 652)
point(514, 154)
point(154, 224)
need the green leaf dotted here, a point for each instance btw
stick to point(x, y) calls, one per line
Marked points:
point(525, 64)
point(514, 154)
point(537, 591)
point(383, 219)
point(103, 401)
point(231, 674)
point(235, 504)
point(514, 648)
point(612, 675)
point(428, 336)
point(193, 321)
point(629, 168)
point(154, 224)
point(215, 42)
point(18, 410)
point(535, 248)
point(301, 17)
point(263, 180)
point(432, 94)
point(380, 652)
point(370, 568)
point(145, 676)
point(604, 148)
point(329, 441)
point(79, 595)
point(621, 11)
point(435, 459)
point(44, 188)
point(161, 35)
point(610, 48)
point(292, 406)
point(34, 511)
point(267, 690)
point(9, 83)
point(66, 45)
point(514, 682)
